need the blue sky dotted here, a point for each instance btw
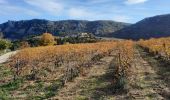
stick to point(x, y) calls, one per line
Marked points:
point(129, 11)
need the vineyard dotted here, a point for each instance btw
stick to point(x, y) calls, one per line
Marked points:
point(29, 61)
point(74, 58)
point(159, 47)
point(83, 71)
point(63, 63)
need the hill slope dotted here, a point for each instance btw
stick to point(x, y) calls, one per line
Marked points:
point(20, 29)
point(157, 26)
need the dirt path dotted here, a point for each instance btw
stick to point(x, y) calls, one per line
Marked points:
point(147, 84)
point(6, 56)
point(86, 87)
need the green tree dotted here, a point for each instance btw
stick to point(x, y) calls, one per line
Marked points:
point(5, 44)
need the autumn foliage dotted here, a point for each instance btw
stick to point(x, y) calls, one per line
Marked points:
point(47, 39)
point(159, 47)
point(70, 60)
point(72, 56)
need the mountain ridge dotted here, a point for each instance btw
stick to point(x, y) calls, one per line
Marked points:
point(151, 27)
point(24, 28)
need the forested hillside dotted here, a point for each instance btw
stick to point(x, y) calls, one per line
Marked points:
point(25, 28)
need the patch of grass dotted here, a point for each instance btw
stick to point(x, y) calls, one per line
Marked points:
point(40, 85)
point(50, 94)
point(4, 71)
point(4, 94)
point(13, 85)
point(52, 89)
point(81, 98)
point(36, 98)
point(151, 96)
point(96, 88)
point(43, 91)
point(5, 88)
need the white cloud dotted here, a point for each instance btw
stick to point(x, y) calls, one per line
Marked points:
point(121, 18)
point(51, 6)
point(131, 2)
point(10, 9)
point(78, 13)
point(13, 10)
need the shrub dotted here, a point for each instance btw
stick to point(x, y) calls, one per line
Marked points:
point(5, 44)
point(47, 39)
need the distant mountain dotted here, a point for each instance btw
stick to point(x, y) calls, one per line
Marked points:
point(25, 28)
point(157, 26)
